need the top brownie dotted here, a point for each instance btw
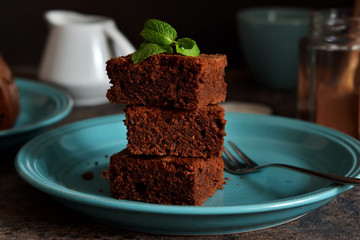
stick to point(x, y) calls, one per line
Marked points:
point(165, 80)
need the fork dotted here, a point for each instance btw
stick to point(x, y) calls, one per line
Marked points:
point(234, 166)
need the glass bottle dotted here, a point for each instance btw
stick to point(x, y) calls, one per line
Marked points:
point(329, 71)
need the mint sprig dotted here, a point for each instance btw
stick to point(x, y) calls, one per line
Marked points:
point(147, 50)
point(160, 37)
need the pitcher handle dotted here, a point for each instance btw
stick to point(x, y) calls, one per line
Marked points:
point(123, 45)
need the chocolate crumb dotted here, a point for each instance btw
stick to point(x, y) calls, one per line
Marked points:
point(106, 174)
point(227, 179)
point(106, 156)
point(96, 163)
point(88, 176)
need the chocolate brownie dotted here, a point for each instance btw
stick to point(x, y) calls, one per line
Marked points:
point(168, 80)
point(9, 97)
point(175, 132)
point(164, 180)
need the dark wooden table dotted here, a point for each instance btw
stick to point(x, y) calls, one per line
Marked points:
point(26, 213)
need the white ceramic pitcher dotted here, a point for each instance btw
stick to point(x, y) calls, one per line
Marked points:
point(76, 52)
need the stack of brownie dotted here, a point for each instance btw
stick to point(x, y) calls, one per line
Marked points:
point(175, 128)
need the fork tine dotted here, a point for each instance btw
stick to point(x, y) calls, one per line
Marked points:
point(227, 166)
point(233, 159)
point(246, 159)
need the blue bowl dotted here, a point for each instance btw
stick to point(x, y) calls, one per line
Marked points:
point(269, 39)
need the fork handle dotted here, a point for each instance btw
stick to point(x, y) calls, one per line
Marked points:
point(326, 176)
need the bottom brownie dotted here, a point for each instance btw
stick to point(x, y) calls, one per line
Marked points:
point(164, 179)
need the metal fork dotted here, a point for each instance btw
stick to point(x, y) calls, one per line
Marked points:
point(236, 167)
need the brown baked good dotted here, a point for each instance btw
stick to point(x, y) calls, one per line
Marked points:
point(175, 132)
point(164, 180)
point(9, 97)
point(168, 80)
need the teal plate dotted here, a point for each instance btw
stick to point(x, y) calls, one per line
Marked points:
point(40, 106)
point(55, 162)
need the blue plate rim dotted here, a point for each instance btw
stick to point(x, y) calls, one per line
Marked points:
point(84, 198)
point(64, 106)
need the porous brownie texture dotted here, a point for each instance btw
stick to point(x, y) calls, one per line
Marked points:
point(164, 180)
point(175, 132)
point(168, 80)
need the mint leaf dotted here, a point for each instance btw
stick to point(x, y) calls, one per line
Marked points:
point(156, 37)
point(187, 47)
point(168, 49)
point(163, 28)
point(146, 50)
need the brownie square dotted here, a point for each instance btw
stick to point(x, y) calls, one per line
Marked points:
point(175, 132)
point(164, 180)
point(9, 96)
point(168, 81)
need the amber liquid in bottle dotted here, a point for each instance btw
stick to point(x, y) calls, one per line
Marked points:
point(336, 99)
point(328, 89)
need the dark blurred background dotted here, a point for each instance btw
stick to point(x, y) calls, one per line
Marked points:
point(211, 23)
